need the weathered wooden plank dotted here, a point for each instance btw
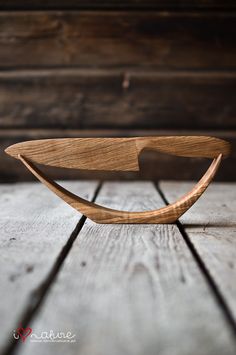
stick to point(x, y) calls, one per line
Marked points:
point(131, 289)
point(35, 225)
point(117, 99)
point(210, 225)
point(121, 4)
point(164, 40)
point(153, 165)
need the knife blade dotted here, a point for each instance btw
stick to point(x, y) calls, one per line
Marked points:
point(114, 154)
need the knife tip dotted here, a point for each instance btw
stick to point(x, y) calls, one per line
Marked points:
point(13, 150)
point(8, 150)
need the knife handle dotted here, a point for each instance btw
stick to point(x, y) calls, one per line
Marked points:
point(185, 146)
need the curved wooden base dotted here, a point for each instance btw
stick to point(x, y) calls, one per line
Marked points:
point(100, 214)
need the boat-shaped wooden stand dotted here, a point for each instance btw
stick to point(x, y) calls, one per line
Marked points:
point(119, 154)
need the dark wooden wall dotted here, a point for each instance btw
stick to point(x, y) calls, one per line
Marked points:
point(118, 68)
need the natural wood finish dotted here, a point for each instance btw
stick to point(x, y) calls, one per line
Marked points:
point(163, 40)
point(114, 153)
point(132, 289)
point(102, 214)
point(210, 226)
point(166, 166)
point(117, 4)
point(91, 98)
point(35, 228)
point(118, 154)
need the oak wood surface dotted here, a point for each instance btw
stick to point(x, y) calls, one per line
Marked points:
point(35, 226)
point(119, 154)
point(167, 166)
point(135, 4)
point(101, 214)
point(132, 290)
point(211, 227)
point(114, 153)
point(161, 40)
point(117, 99)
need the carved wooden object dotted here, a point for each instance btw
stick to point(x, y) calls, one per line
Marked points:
point(119, 154)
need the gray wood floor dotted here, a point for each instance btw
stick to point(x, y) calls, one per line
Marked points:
point(118, 289)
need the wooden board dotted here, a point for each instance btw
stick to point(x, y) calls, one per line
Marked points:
point(153, 165)
point(210, 226)
point(131, 290)
point(35, 226)
point(117, 99)
point(161, 40)
point(136, 4)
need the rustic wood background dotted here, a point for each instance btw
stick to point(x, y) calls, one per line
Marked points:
point(118, 68)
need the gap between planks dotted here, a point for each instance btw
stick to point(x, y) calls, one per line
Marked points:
point(122, 264)
point(38, 295)
point(200, 262)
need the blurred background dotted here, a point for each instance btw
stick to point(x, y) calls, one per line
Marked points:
point(79, 68)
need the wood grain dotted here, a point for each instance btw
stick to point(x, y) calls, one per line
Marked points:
point(212, 233)
point(160, 40)
point(132, 290)
point(97, 99)
point(101, 214)
point(167, 167)
point(119, 154)
point(35, 226)
point(117, 4)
